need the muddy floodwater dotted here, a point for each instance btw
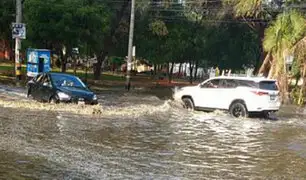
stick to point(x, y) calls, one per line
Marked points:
point(140, 136)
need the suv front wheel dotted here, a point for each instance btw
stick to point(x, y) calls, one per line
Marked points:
point(238, 109)
point(188, 103)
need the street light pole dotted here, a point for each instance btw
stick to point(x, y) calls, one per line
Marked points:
point(18, 42)
point(130, 47)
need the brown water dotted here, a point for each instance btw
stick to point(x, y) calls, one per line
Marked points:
point(162, 141)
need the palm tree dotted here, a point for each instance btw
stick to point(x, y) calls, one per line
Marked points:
point(300, 57)
point(280, 39)
point(256, 13)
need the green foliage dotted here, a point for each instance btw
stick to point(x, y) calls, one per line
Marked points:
point(70, 23)
point(287, 30)
point(282, 35)
point(7, 12)
point(186, 34)
point(117, 60)
point(159, 28)
point(248, 8)
point(259, 9)
point(296, 96)
point(296, 68)
point(203, 32)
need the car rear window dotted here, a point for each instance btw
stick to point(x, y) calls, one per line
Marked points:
point(268, 85)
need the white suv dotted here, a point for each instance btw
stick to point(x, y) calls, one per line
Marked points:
point(238, 95)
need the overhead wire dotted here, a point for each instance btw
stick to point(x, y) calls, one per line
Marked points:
point(182, 2)
point(182, 9)
point(173, 19)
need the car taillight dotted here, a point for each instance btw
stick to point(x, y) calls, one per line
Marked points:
point(260, 93)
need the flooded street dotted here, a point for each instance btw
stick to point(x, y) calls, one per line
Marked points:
point(143, 137)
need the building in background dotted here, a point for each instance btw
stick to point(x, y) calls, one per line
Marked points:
point(5, 50)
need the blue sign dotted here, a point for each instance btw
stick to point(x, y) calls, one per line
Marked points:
point(38, 61)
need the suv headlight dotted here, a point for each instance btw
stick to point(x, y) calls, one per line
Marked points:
point(62, 95)
point(95, 97)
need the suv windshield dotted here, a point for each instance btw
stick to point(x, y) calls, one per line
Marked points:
point(268, 85)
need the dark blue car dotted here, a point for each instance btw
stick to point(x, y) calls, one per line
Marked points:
point(60, 87)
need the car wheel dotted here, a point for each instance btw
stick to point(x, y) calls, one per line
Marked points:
point(188, 103)
point(238, 110)
point(54, 99)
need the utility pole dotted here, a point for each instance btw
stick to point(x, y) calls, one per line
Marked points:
point(18, 42)
point(130, 47)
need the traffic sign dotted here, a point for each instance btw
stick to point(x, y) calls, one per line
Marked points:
point(18, 30)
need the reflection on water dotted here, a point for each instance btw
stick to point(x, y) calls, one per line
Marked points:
point(162, 142)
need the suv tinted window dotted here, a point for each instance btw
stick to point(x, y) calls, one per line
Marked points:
point(228, 83)
point(244, 83)
point(268, 85)
point(211, 84)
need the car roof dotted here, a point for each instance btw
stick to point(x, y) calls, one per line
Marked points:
point(255, 79)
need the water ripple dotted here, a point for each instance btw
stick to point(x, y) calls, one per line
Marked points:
point(158, 140)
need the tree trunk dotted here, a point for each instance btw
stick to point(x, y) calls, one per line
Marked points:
point(196, 70)
point(180, 70)
point(170, 72)
point(283, 87)
point(63, 65)
point(155, 69)
point(282, 77)
point(108, 40)
point(185, 70)
point(113, 68)
point(271, 73)
point(98, 66)
point(190, 71)
point(74, 65)
point(63, 61)
point(264, 69)
point(4, 49)
point(302, 90)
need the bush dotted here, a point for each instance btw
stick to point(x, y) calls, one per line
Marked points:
point(58, 62)
point(133, 72)
point(295, 96)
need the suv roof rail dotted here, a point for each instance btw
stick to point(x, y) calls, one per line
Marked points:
point(241, 75)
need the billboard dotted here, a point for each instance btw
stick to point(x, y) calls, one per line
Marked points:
point(38, 61)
